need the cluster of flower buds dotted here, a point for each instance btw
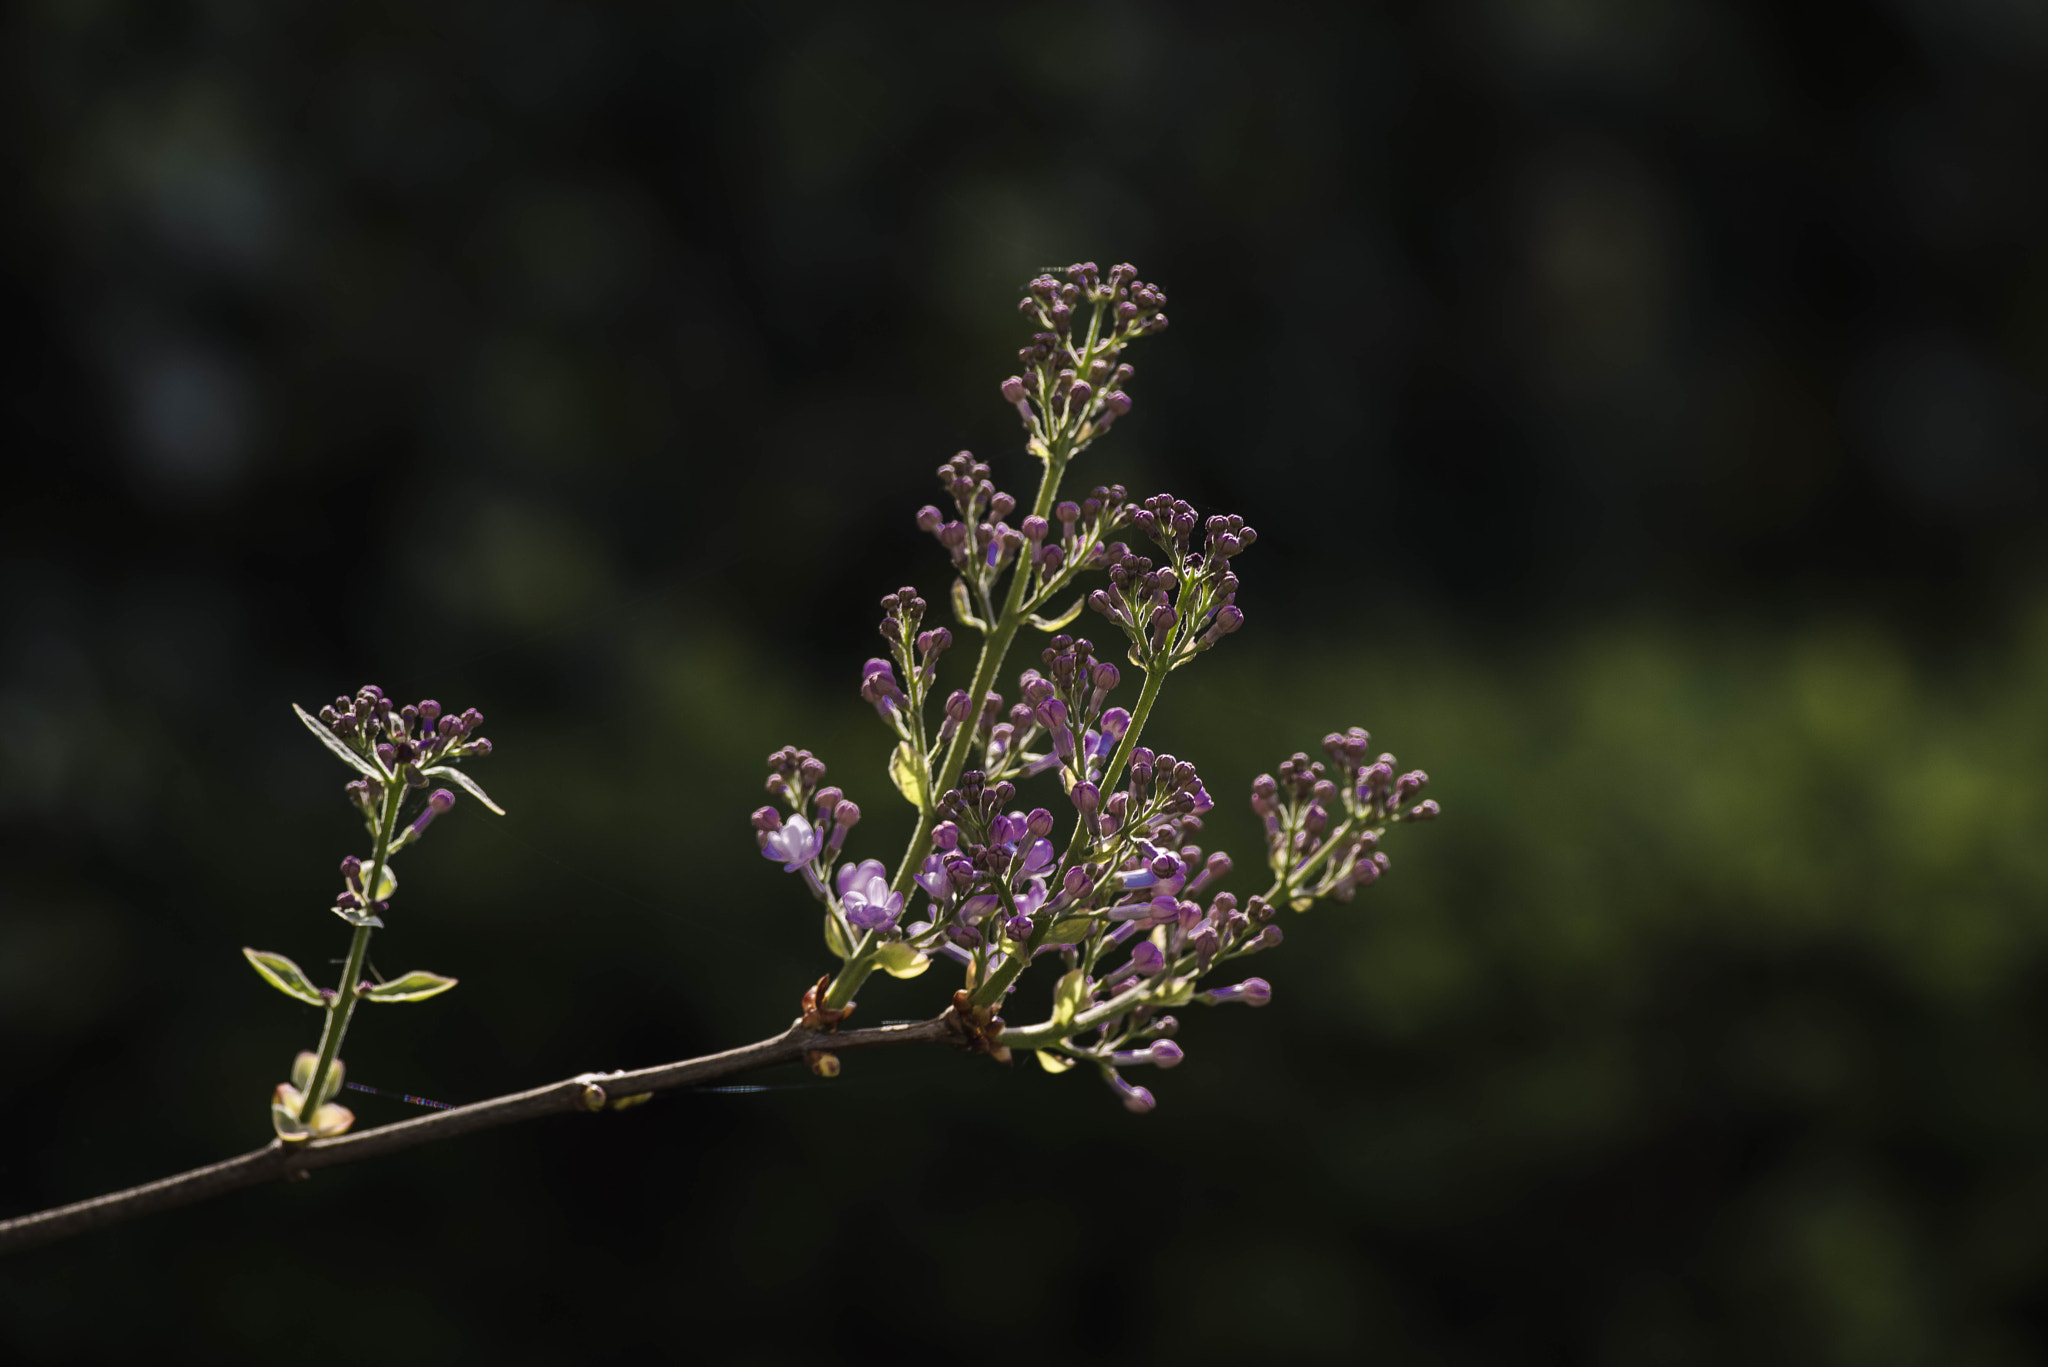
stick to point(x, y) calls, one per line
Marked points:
point(1075, 382)
point(1107, 1006)
point(802, 844)
point(355, 905)
point(1065, 705)
point(986, 876)
point(405, 741)
point(1180, 608)
point(917, 653)
point(1324, 823)
point(979, 541)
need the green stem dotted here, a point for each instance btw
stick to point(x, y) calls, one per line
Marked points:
point(344, 1004)
point(992, 991)
point(1046, 1032)
point(995, 645)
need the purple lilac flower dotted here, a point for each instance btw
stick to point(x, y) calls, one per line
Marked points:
point(794, 844)
point(878, 685)
point(864, 892)
point(932, 878)
point(1030, 897)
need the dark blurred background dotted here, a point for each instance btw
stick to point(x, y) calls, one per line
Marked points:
point(1641, 403)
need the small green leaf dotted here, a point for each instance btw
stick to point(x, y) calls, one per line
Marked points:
point(1173, 992)
point(328, 1120)
point(1068, 996)
point(358, 916)
point(899, 960)
point(835, 936)
point(1055, 623)
point(415, 986)
point(1054, 1063)
point(284, 1114)
point(1071, 931)
point(338, 745)
point(284, 975)
point(464, 782)
point(906, 771)
point(963, 607)
point(302, 1075)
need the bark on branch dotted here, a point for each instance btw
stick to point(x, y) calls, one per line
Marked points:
point(278, 1161)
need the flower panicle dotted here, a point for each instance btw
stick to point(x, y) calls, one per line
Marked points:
point(1107, 876)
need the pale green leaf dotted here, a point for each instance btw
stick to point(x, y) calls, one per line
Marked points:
point(835, 935)
point(328, 1120)
point(1053, 1063)
point(358, 916)
point(1070, 931)
point(464, 782)
point(963, 607)
point(906, 771)
point(899, 960)
point(1072, 611)
point(415, 986)
point(284, 975)
point(1173, 992)
point(1068, 996)
point(302, 1075)
point(339, 746)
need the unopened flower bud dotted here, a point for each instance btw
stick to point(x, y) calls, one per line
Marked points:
point(440, 801)
point(1136, 1099)
point(1251, 992)
point(767, 819)
point(1013, 389)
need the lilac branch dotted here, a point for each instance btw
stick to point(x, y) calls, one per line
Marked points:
point(586, 1092)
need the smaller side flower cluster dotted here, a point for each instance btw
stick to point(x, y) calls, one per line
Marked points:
point(983, 546)
point(1324, 822)
point(859, 903)
point(1183, 606)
